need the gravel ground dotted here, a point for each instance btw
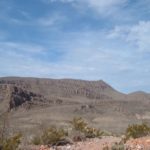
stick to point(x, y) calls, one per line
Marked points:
point(99, 144)
point(89, 144)
point(139, 144)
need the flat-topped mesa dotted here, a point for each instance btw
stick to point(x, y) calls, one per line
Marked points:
point(65, 87)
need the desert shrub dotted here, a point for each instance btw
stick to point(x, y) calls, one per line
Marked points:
point(92, 132)
point(118, 146)
point(52, 135)
point(11, 143)
point(137, 130)
point(7, 142)
point(80, 125)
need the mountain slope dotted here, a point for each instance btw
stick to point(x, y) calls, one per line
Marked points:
point(64, 87)
point(139, 95)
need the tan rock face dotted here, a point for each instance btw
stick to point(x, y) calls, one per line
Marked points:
point(12, 97)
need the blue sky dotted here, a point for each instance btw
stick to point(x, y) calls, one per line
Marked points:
point(81, 39)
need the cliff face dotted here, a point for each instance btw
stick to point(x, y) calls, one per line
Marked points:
point(16, 91)
point(20, 96)
point(23, 91)
point(12, 97)
point(65, 87)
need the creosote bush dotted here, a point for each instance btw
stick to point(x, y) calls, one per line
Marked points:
point(11, 143)
point(80, 125)
point(52, 135)
point(137, 130)
point(8, 142)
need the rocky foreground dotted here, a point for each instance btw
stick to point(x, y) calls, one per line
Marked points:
point(139, 144)
point(105, 143)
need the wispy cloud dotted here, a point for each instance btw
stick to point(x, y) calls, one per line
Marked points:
point(21, 47)
point(48, 22)
point(53, 20)
point(137, 35)
point(104, 7)
point(101, 7)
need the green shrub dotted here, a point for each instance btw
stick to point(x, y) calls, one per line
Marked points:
point(52, 135)
point(8, 142)
point(137, 130)
point(80, 125)
point(92, 132)
point(11, 143)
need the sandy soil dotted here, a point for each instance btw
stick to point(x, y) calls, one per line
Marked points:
point(92, 144)
point(99, 144)
point(89, 144)
point(139, 144)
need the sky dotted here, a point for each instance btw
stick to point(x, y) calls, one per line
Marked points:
point(82, 39)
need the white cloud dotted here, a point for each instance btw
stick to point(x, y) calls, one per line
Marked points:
point(140, 35)
point(83, 53)
point(137, 35)
point(104, 7)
